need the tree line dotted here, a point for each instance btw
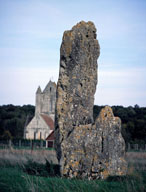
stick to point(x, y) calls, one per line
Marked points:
point(133, 122)
point(13, 119)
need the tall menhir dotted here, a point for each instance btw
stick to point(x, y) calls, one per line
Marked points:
point(81, 144)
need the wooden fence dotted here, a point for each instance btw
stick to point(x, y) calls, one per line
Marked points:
point(135, 147)
point(38, 144)
point(29, 144)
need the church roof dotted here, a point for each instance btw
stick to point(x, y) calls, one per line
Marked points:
point(48, 121)
point(50, 84)
point(50, 136)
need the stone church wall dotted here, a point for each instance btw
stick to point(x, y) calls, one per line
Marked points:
point(45, 104)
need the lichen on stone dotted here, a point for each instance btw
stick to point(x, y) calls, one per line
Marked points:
point(85, 149)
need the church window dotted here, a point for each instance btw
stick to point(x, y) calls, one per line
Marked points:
point(34, 135)
point(51, 104)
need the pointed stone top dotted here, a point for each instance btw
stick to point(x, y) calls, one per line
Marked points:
point(39, 90)
point(82, 33)
point(106, 114)
point(83, 24)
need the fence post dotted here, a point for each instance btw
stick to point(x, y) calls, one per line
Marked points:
point(10, 143)
point(31, 144)
point(145, 147)
point(41, 144)
point(135, 146)
point(19, 143)
point(129, 148)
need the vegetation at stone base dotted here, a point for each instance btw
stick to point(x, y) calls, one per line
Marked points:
point(133, 122)
point(13, 119)
point(39, 169)
point(14, 179)
point(25, 174)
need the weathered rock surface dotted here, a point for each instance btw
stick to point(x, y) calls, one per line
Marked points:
point(112, 144)
point(84, 148)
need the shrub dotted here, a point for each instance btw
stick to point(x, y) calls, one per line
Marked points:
point(38, 169)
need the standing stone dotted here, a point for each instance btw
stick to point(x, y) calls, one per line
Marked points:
point(77, 81)
point(82, 146)
point(112, 144)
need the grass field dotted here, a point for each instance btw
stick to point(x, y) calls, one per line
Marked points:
point(17, 156)
point(14, 178)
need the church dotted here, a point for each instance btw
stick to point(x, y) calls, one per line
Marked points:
point(42, 124)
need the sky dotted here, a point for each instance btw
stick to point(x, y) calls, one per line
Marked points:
point(30, 37)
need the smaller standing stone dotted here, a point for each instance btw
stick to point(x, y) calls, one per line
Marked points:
point(112, 143)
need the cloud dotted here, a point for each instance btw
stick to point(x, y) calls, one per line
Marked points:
point(125, 86)
point(30, 37)
point(115, 87)
point(23, 57)
point(18, 85)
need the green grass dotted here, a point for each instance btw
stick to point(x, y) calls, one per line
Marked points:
point(35, 176)
point(11, 179)
point(14, 179)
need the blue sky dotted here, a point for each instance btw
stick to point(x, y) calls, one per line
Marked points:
point(30, 37)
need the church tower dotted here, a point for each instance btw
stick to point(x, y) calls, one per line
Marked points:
point(42, 123)
point(38, 101)
point(49, 99)
point(46, 99)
